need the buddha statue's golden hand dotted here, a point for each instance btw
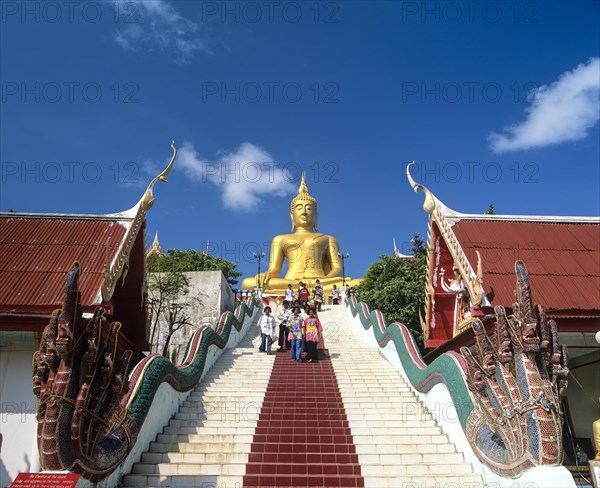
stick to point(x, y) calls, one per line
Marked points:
point(262, 279)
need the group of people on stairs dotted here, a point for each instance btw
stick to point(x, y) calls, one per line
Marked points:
point(299, 331)
point(307, 299)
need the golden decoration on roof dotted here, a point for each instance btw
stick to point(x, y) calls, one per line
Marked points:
point(117, 268)
point(429, 203)
point(155, 247)
point(473, 279)
point(148, 198)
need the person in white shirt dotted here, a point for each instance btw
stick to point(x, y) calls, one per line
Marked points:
point(335, 295)
point(283, 314)
point(289, 294)
point(266, 325)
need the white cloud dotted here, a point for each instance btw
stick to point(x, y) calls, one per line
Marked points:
point(562, 111)
point(244, 177)
point(155, 25)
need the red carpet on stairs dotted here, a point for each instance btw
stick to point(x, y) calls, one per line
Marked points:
point(302, 437)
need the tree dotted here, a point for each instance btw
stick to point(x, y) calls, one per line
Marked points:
point(396, 287)
point(191, 260)
point(490, 210)
point(169, 304)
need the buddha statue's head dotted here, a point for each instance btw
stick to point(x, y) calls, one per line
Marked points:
point(303, 209)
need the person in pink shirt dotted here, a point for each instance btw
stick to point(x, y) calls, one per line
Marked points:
point(312, 335)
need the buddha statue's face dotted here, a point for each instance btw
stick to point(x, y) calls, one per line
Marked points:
point(304, 215)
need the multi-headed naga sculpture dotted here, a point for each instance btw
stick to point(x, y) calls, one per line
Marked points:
point(516, 380)
point(91, 408)
point(506, 392)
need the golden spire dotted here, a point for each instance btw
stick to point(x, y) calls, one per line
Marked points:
point(303, 193)
point(155, 247)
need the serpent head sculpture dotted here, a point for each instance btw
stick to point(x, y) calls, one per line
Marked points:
point(516, 381)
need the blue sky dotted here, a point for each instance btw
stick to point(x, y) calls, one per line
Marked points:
point(93, 93)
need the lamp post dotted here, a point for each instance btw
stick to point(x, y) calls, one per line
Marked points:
point(259, 257)
point(343, 257)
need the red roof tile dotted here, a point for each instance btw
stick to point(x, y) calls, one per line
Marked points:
point(562, 259)
point(36, 253)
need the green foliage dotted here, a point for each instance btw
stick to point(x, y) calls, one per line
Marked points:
point(396, 287)
point(490, 210)
point(191, 260)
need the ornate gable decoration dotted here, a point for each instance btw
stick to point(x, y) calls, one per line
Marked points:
point(437, 210)
point(119, 265)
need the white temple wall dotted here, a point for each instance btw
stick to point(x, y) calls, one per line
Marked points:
point(581, 395)
point(208, 297)
point(18, 424)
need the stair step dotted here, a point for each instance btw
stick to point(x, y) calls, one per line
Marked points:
point(170, 469)
point(300, 458)
point(224, 430)
point(419, 470)
point(423, 481)
point(405, 448)
point(244, 413)
point(379, 459)
point(190, 481)
point(186, 447)
point(220, 399)
point(300, 480)
point(300, 448)
point(204, 438)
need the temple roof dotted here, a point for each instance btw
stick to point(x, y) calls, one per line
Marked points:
point(453, 217)
point(562, 259)
point(37, 250)
point(562, 255)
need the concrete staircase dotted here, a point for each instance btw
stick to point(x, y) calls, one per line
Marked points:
point(207, 443)
point(303, 438)
point(398, 442)
point(214, 441)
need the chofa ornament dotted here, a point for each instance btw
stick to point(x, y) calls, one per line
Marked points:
point(516, 380)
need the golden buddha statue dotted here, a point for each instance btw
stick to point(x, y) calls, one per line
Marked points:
point(311, 256)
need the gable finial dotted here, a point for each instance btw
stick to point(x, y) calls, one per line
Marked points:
point(429, 203)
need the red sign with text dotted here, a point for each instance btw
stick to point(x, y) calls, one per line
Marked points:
point(45, 480)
